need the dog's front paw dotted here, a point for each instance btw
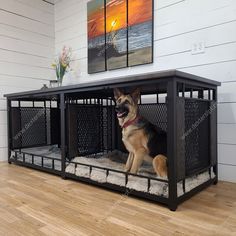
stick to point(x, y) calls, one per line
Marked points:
point(126, 169)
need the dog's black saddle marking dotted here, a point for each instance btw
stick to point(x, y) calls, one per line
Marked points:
point(157, 137)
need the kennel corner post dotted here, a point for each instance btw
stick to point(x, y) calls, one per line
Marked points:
point(9, 134)
point(172, 142)
point(214, 136)
point(63, 133)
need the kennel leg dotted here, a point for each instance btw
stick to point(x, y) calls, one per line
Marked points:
point(171, 143)
point(173, 206)
point(215, 169)
point(63, 135)
point(9, 129)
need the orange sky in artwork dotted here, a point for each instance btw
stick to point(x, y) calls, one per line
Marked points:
point(139, 11)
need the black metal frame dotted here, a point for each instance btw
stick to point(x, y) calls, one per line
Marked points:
point(176, 86)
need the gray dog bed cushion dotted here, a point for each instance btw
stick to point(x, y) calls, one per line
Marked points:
point(134, 182)
point(114, 161)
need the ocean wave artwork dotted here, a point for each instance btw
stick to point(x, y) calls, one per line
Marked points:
point(120, 34)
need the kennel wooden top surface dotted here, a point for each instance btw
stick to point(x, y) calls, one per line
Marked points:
point(118, 81)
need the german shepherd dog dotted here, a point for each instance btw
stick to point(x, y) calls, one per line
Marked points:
point(143, 140)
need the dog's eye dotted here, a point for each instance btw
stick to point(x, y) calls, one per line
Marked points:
point(126, 102)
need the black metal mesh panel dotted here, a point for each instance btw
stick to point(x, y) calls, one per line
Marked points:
point(155, 113)
point(196, 135)
point(33, 126)
point(48, 125)
point(108, 116)
point(16, 127)
point(89, 129)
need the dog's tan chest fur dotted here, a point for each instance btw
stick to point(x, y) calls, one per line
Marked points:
point(134, 139)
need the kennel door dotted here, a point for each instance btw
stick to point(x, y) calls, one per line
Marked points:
point(84, 129)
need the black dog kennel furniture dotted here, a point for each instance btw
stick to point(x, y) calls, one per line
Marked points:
point(68, 130)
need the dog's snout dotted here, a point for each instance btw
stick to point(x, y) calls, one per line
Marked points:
point(117, 108)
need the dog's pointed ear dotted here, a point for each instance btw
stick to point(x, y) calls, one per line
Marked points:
point(136, 95)
point(117, 93)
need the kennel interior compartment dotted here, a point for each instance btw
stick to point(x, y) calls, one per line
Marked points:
point(76, 133)
point(34, 131)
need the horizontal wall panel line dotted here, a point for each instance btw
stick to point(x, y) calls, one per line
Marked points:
point(196, 30)
point(26, 17)
point(186, 67)
point(227, 82)
point(170, 5)
point(230, 144)
point(43, 8)
point(25, 53)
point(205, 64)
point(26, 41)
point(26, 30)
point(26, 77)
point(227, 102)
point(48, 2)
point(225, 123)
point(224, 164)
point(16, 63)
point(220, 44)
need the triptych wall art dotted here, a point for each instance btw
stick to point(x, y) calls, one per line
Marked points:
point(120, 34)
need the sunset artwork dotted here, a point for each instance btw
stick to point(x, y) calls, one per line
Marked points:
point(120, 34)
point(96, 36)
point(116, 34)
point(140, 33)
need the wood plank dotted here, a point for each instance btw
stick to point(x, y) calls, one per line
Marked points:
point(35, 203)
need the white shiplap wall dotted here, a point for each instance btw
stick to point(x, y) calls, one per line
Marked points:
point(179, 24)
point(27, 40)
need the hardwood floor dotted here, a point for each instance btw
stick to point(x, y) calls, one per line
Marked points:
point(35, 203)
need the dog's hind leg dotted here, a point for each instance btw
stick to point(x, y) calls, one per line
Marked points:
point(160, 165)
point(129, 162)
